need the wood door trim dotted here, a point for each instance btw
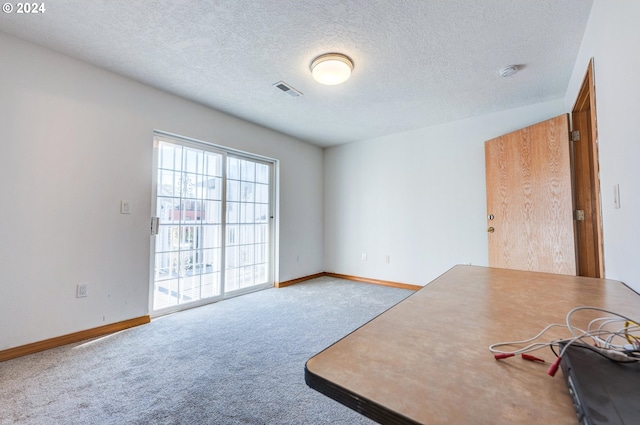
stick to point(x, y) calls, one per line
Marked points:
point(589, 237)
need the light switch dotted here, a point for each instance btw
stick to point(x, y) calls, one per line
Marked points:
point(125, 207)
point(616, 196)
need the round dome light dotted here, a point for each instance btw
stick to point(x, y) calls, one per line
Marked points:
point(331, 69)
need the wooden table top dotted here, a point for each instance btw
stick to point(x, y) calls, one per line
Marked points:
point(426, 360)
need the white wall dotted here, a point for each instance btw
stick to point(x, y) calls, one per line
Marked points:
point(418, 197)
point(612, 38)
point(74, 141)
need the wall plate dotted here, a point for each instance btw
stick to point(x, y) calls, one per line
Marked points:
point(125, 207)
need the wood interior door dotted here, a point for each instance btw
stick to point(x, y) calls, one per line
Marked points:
point(529, 200)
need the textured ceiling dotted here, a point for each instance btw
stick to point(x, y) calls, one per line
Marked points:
point(417, 62)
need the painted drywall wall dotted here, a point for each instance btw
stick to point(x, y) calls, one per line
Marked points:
point(610, 39)
point(75, 140)
point(417, 198)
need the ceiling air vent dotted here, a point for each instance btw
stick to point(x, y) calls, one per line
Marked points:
point(281, 85)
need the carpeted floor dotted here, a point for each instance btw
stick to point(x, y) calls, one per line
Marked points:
point(238, 361)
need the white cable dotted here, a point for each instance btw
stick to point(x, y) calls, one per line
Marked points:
point(607, 320)
point(493, 349)
point(607, 348)
point(573, 310)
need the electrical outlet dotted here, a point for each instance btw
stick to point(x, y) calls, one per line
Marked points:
point(364, 257)
point(82, 290)
point(387, 259)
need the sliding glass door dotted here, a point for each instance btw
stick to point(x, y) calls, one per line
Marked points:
point(213, 234)
point(247, 224)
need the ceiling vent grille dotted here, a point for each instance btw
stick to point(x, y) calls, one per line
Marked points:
point(281, 85)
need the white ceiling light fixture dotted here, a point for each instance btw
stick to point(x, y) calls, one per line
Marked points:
point(331, 69)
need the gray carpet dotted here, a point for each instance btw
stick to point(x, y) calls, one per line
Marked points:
point(238, 361)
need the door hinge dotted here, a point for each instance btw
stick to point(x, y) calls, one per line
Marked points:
point(575, 136)
point(578, 215)
point(155, 225)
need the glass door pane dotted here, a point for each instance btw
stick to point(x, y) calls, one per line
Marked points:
point(189, 241)
point(247, 231)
